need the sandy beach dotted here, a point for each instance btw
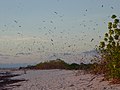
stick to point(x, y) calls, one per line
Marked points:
point(59, 80)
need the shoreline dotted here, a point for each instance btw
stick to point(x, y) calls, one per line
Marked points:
point(57, 79)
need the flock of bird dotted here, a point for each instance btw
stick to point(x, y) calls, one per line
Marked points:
point(54, 45)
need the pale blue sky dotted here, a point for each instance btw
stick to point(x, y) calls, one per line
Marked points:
point(42, 27)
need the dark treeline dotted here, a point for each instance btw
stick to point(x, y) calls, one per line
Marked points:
point(59, 64)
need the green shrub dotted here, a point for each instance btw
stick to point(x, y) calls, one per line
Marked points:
point(110, 50)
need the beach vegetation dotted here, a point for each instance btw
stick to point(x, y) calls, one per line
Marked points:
point(109, 51)
point(59, 64)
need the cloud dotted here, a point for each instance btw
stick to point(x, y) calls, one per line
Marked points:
point(23, 53)
point(83, 57)
point(22, 38)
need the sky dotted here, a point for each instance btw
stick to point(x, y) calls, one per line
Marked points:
point(32, 31)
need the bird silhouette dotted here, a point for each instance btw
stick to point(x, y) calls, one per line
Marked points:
point(112, 8)
point(15, 21)
point(92, 39)
point(55, 12)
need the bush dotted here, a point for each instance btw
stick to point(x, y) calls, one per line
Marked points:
point(53, 64)
point(74, 66)
point(109, 50)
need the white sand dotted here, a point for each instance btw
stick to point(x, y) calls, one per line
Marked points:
point(62, 80)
